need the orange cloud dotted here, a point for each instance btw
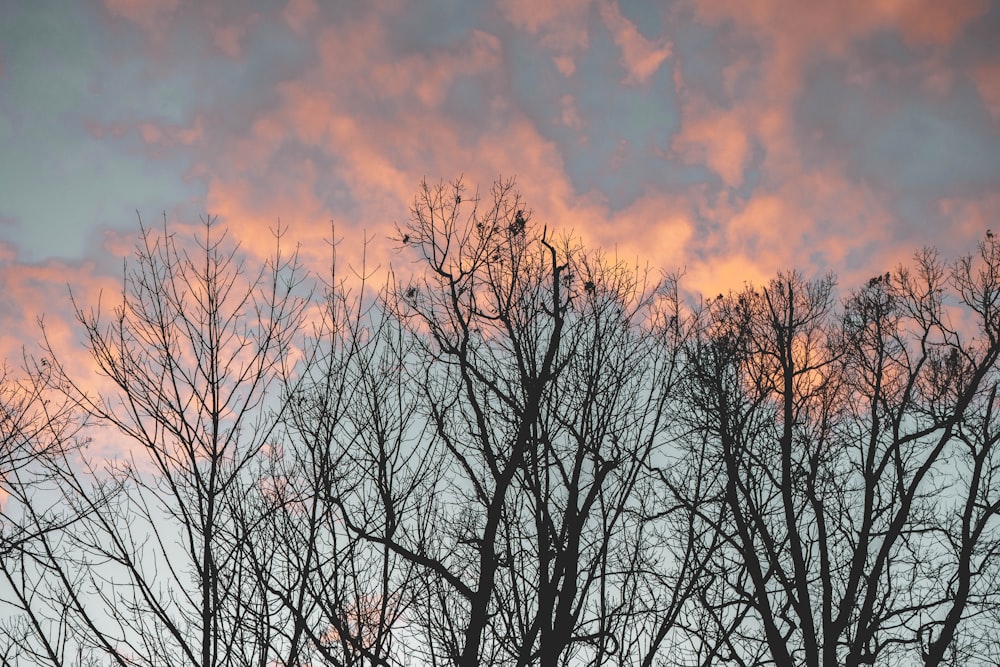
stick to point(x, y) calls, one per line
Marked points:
point(40, 292)
point(570, 114)
point(656, 228)
point(158, 134)
point(716, 138)
point(229, 38)
point(801, 212)
point(376, 159)
point(987, 80)
point(722, 274)
point(929, 22)
point(818, 221)
point(298, 14)
point(971, 217)
point(641, 57)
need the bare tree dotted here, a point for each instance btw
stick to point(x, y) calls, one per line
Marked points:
point(852, 454)
point(350, 409)
point(154, 570)
point(38, 430)
point(516, 487)
point(523, 452)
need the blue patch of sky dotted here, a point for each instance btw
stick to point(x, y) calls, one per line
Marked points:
point(703, 54)
point(70, 69)
point(468, 105)
point(231, 89)
point(57, 182)
point(624, 126)
point(752, 175)
point(647, 17)
point(894, 134)
point(979, 37)
point(934, 148)
point(434, 24)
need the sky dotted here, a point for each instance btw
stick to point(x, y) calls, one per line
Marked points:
point(730, 139)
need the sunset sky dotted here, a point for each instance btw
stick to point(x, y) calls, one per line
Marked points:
point(728, 138)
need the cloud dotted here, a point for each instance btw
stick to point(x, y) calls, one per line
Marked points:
point(299, 14)
point(987, 80)
point(560, 25)
point(167, 134)
point(928, 22)
point(570, 114)
point(229, 38)
point(796, 33)
point(831, 27)
point(971, 217)
point(640, 57)
point(346, 127)
point(716, 138)
point(657, 228)
point(349, 138)
point(750, 117)
point(37, 293)
point(153, 16)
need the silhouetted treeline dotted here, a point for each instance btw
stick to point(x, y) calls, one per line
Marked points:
point(524, 453)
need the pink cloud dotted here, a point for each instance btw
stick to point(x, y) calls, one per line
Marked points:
point(34, 292)
point(640, 57)
point(558, 20)
point(229, 38)
point(378, 158)
point(987, 80)
point(971, 217)
point(831, 26)
point(795, 32)
point(167, 134)
point(299, 14)
point(717, 138)
point(560, 25)
point(150, 133)
point(377, 121)
point(565, 64)
point(152, 16)
point(929, 22)
point(570, 114)
point(348, 54)
point(801, 213)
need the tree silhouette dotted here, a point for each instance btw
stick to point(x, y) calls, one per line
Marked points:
point(520, 452)
point(852, 456)
point(153, 571)
point(522, 504)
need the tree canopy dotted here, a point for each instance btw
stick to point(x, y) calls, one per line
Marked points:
point(524, 453)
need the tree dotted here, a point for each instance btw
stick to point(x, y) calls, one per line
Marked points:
point(37, 432)
point(522, 452)
point(852, 455)
point(457, 471)
point(350, 411)
point(519, 498)
point(153, 571)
